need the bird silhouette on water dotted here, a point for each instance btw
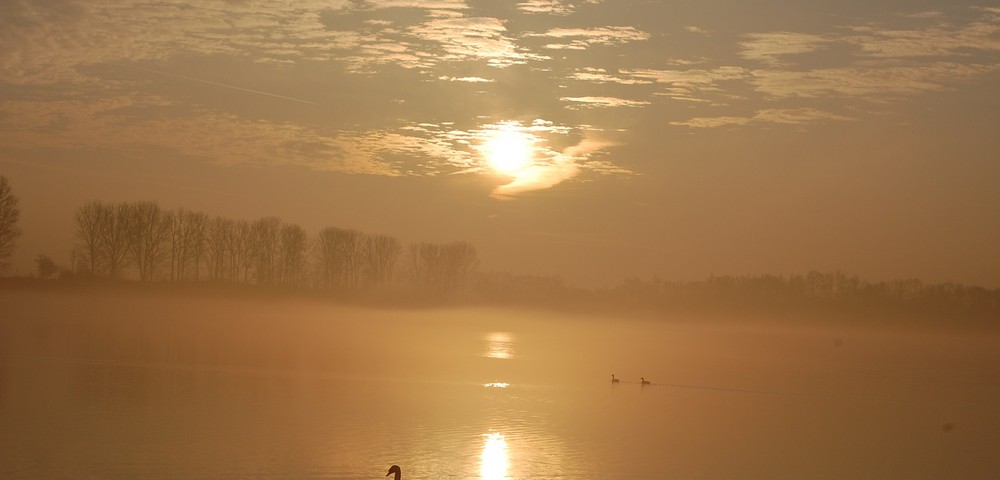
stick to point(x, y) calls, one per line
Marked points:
point(613, 379)
point(643, 381)
point(394, 469)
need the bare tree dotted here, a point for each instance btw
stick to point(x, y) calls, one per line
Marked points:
point(148, 229)
point(101, 238)
point(9, 231)
point(325, 248)
point(88, 242)
point(461, 261)
point(381, 253)
point(241, 250)
point(218, 241)
point(114, 238)
point(339, 254)
point(187, 244)
point(430, 265)
point(446, 267)
point(266, 240)
point(292, 255)
point(416, 266)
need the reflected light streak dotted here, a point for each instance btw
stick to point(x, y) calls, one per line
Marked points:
point(496, 385)
point(499, 345)
point(495, 461)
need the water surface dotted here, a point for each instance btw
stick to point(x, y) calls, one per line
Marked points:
point(163, 387)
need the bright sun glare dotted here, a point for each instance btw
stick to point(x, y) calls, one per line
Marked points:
point(495, 461)
point(508, 150)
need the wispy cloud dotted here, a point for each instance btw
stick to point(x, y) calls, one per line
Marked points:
point(551, 165)
point(130, 122)
point(695, 85)
point(465, 79)
point(421, 4)
point(49, 42)
point(227, 86)
point(600, 75)
point(584, 38)
point(871, 83)
point(785, 116)
point(595, 102)
point(939, 40)
point(465, 38)
point(558, 167)
point(551, 7)
point(772, 46)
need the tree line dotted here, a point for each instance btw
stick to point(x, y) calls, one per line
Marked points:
point(142, 241)
point(814, 291)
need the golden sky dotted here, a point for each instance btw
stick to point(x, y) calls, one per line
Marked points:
point(592, 139)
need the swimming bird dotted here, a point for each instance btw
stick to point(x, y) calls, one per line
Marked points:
point(394, 469)
point(613, 379)
point(643, 381)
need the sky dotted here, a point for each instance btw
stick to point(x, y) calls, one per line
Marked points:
point(595, 140)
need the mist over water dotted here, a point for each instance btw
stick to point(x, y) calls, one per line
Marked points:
point(161, 386)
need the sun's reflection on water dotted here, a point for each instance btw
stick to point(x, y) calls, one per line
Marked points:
point(500, 345)
point(495, 460)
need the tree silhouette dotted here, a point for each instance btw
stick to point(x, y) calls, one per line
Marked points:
point(381, 253)
point(218, 241)
point(187, 244)
point(148, 229)
point(88, 242)
point(339, 257)
point(292, 255)
point(9, 231)
point(46, 266)
point(102, 238)
point(443, 267)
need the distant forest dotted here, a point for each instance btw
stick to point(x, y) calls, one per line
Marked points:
point(142, 243)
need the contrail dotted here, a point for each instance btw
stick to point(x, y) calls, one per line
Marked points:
point(224, 85)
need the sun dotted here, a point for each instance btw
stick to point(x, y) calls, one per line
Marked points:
point(508, 151)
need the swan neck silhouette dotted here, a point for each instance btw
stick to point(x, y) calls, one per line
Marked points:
point(394, 469)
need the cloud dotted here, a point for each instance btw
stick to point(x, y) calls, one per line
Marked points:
point(421, 4)
point(465, 79)
point(50, 42)
point(583, 38)
point(461, 151)
point(693, 84)
point(595, 102)
point(926, 14)
point(712, 122)
point(785, 116)
point(135, 123)
point(469, 38)
point(797, 116)
point(867, 82)
point(940, 40)
point(885, 62)
point(769, 47)
point(552, 7)
point(600, 75)
point(558, 168)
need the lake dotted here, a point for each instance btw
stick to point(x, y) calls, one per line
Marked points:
point(159, 386)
